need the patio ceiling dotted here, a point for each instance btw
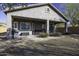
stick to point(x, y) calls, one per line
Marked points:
point(20, 18)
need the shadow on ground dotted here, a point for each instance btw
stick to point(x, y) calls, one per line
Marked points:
point(75, 36)
point(47, 51)
point(59, 47)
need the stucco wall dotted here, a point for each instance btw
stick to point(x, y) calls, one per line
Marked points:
point(3, 29)
point(39, 12)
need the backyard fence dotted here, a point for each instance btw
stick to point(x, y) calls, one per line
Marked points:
point(71, 30)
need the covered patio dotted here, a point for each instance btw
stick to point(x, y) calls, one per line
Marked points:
point(34, 26)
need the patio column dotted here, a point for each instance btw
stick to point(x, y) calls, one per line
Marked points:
point(66, 27)
point(48, 26)
point(54, 29)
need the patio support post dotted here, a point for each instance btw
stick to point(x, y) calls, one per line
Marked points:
point(54, 30)
point(66, 27)
point(48, 26)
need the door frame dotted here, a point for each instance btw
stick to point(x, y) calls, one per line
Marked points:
point(15, 26)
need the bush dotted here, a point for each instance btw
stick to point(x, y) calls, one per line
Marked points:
point(55, 34)
point(43, 35)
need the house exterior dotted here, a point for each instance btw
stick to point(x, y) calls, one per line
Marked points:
point(35, 18)
point(3, 28)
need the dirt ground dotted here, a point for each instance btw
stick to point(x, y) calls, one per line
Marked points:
point(68, 45)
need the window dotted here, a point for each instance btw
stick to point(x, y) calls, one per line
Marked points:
point(25, 26)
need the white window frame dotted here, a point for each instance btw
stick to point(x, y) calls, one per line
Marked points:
point(15, 25)
point(25, 23)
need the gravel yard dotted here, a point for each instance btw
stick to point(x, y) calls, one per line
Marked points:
point(67, 45)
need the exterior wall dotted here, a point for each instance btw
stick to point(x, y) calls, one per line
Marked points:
point(39, 13)
point(9, 21)
point(3, 28)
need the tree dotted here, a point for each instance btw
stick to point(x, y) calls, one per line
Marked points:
point(3, 6)
point(72, 13)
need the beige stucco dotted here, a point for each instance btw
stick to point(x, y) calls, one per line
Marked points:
point(38, 12)
point(3, 28)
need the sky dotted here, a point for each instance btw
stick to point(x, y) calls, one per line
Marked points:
point(3, 16)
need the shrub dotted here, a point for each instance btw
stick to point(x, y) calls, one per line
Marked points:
point(55, 34)
point(43, 35)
